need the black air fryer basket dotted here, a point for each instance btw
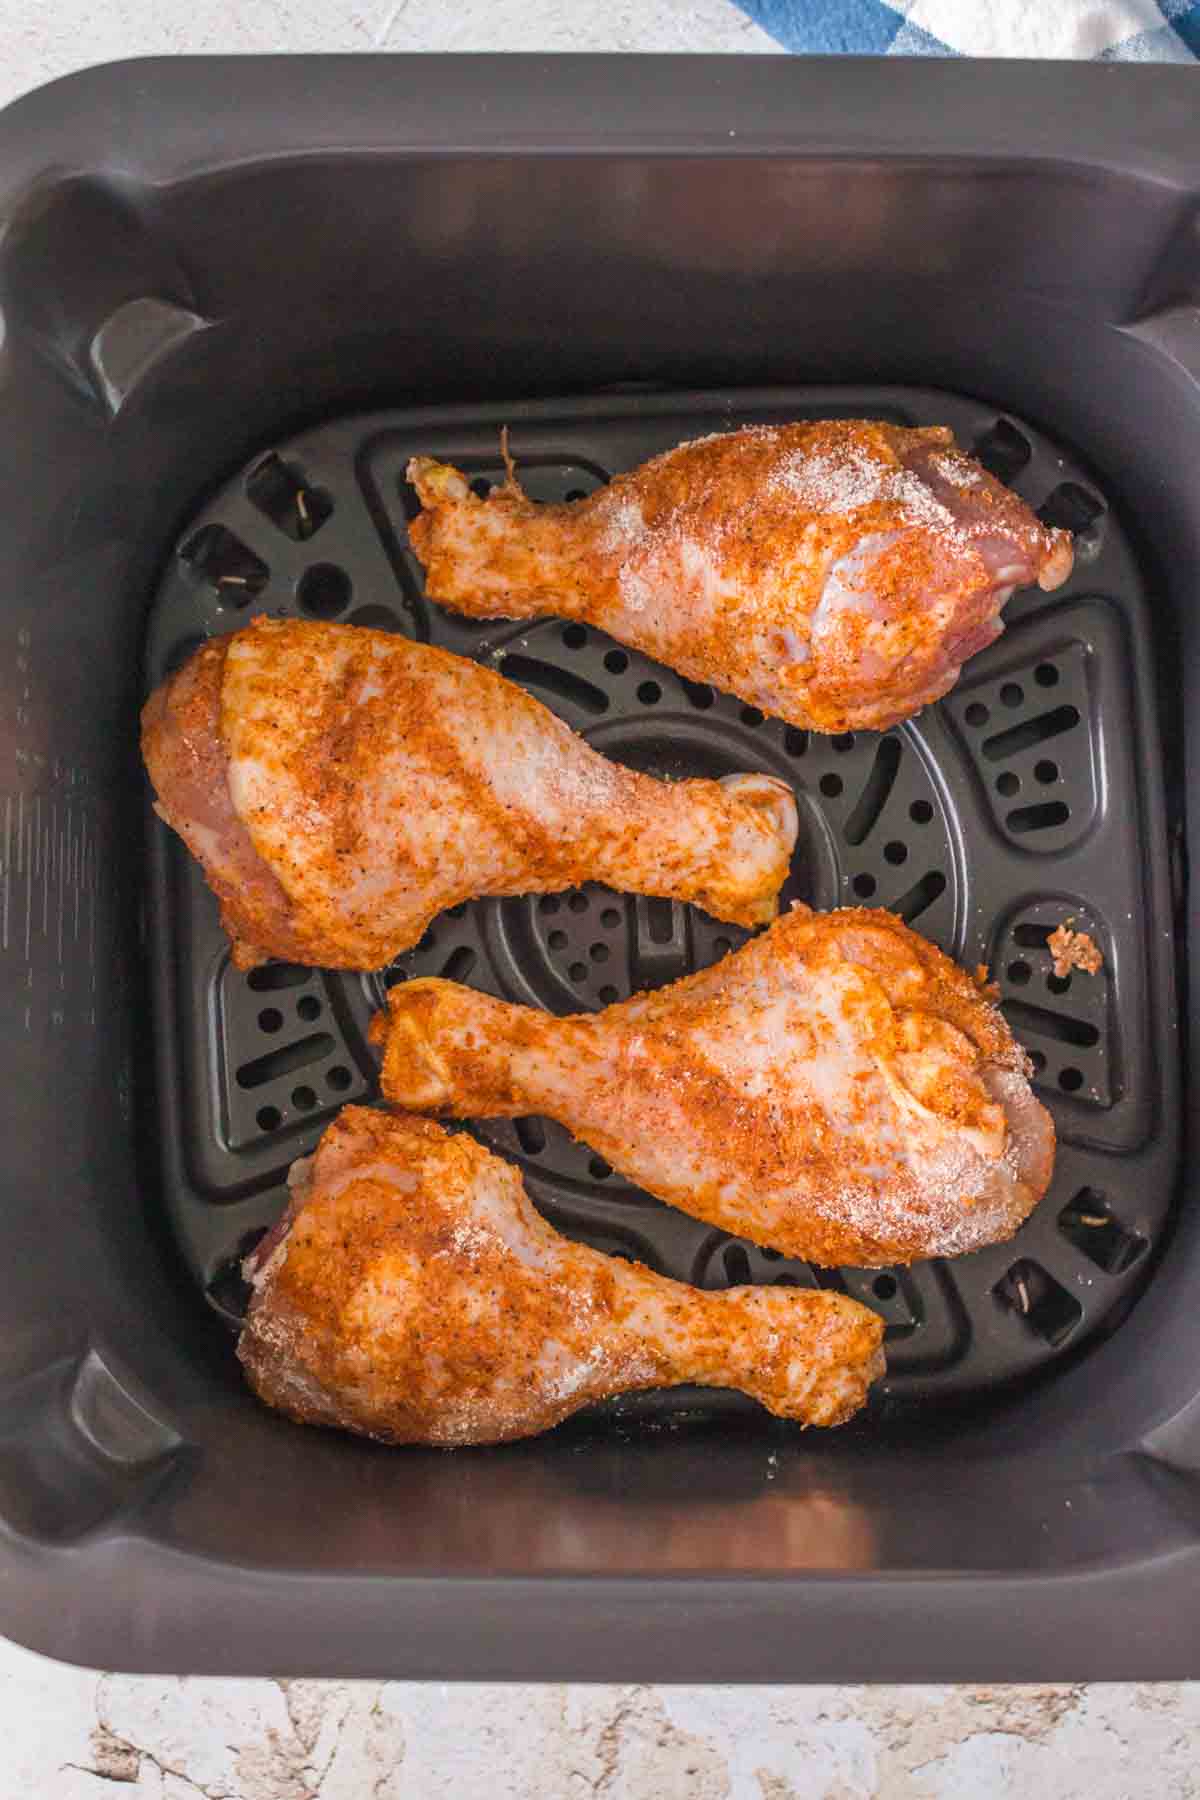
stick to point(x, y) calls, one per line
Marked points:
point(237, 296)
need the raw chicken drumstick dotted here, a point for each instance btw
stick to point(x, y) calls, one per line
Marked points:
point(836, 574)
point(412, 1293)
point(342, 786)
point(837, 1089)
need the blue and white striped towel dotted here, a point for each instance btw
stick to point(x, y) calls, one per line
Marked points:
point(1105, 30)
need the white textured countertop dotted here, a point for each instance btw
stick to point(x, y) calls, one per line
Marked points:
point(74, 1734)
point(70, 1734)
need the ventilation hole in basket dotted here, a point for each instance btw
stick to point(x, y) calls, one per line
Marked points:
point(660, 921)
point(1018, 973)
point(578, 972)
point(920, 812)
point(459, 963)
point(864, 886)
point(1004, 451)
point(181, 652)
point(562, 683)
point(895, 853)
point(457, 912)
point(1042, 817)
point(557, 940)
point(1030, 732)
point(273, 976)
point(843, 742)
point(339, 1078)
point(831, 786)
point(1007, 784)
point(226, 564)
point(1012, 695)
point(1044, 1305)
point(616, 662)
point(737, 1265)
point(575, 493)
point(795, 741)
point(1070, 507)
point(920, 897)
point(575, 636)
point(1086, 1222)
point(577, 902)
point(309, 1008)
point(283, 494)
point(649, 693)
point(977, 714)
point(228, 1290)
point(1023, 1015)
point(610, 918)
point(303, 1099)
point(1038, 1060)
point(531, 1134)
point(377, 618)
point(722, 946)
point(599, 953)
point(864, 814)
point(1058, 984)
point(324, 591)
point(884, 1287)
point(607, 994)
point(1046, 675)
point(549, 904)
point(699, 694)
point(282, 1061)
point(598, 1169)
point(270, 1019)
point(268, 1118)
point(1070, 1080)
point(1032, 937)
point(750, 715)
point(481, 487)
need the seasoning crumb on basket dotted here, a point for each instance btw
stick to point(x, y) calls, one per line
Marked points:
point(1071, 949)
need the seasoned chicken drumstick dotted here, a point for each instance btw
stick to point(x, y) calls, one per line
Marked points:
point(412, 1293)
point(836, 574)
point(342, 786)
point(837, 1089)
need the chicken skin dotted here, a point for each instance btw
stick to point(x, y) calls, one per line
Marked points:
point(412, 1293)
point(836, 574)
point(837, 1089)
point(341, 786)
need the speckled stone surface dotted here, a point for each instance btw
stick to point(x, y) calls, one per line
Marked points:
point(74, 1734)
point(40, 41)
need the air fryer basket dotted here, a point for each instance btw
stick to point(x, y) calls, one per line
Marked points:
point(225, 283)
point(1017, 803)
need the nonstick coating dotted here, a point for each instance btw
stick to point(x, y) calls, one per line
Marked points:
point(1014, 804)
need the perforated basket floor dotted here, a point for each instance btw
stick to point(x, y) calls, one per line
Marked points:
point(1032, 795)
